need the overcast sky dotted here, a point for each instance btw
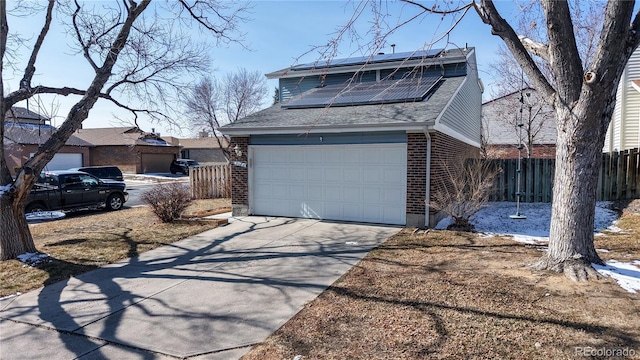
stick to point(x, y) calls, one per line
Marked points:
point(279, 33)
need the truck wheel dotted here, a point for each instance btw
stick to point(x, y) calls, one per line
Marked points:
point(114, 202)
point(34, 207)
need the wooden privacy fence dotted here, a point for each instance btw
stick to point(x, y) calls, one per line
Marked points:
point(619, 178)
point(209, 182)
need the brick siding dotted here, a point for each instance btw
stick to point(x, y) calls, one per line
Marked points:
point(416, 173)
point(445, 151)
point(239, 174)
point(511, 152)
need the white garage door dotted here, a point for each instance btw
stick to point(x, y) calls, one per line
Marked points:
point(64, 161)
point(365, 183)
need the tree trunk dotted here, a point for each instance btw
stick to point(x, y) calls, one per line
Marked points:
point(14, 230)
point(578, 158)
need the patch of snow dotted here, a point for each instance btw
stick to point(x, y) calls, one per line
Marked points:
point(10, 296)
point(602, 250)
point(45, 215)
point(4, 189)
point(494, 220)
point(33, 259)
point(626, 274)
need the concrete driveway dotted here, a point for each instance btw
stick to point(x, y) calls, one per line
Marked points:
point(211, 296)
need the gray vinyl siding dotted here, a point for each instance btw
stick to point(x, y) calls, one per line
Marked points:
point(464, 114)
point(387, 137)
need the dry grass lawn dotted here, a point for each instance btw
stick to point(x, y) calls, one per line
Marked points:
point(84, 241)
point(454, 295)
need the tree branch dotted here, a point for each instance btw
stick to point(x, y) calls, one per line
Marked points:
point(499, 26)
point(539, 49)
point(30, 69)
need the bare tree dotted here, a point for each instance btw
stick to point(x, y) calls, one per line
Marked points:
point(525, 116)
point(581, 92)
point(137, 50)
point(212, 103)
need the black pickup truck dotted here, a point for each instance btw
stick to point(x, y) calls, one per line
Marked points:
point(75, 190)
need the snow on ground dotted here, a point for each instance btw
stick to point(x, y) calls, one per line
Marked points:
point(45, 215)
point(494, 219)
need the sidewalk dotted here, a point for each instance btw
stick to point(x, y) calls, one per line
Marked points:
point(211, 296)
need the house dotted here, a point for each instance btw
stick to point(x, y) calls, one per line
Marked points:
point(624, 130)
point(500, 131)
point(131, 149)
point(25, 131)
point(204, 149)
point(358, 139)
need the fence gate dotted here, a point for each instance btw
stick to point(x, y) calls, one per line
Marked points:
point(209, 182)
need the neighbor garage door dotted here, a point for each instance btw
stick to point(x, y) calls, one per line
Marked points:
point(156, 163)
point(365, 183)
point(64, 161)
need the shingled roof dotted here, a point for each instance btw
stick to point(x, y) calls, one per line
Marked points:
point(127, 136)
point(403, 114)
point(27, 134)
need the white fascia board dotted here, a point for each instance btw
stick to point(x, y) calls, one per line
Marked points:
point(328, 129)
point(454, 134)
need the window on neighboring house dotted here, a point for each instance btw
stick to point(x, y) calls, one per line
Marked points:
point(184, 154)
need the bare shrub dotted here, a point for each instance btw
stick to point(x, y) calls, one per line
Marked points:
point(465, 185)
point(168, 200)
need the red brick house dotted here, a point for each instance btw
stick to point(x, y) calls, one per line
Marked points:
point(359, 139)
point(501, 134)
point(204, 149)
point(131, 149)
point(26, 130)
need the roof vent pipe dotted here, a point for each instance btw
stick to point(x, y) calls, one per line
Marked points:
point(393, 48)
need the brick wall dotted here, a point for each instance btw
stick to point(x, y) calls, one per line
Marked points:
point(416, 178)
point(239, 177)
point(126, 158)
point(446, 151)
point(18, 154)
point(511, 152)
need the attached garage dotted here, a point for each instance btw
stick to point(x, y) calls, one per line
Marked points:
point(362, 182)
point(363, 139)
point(64, 161)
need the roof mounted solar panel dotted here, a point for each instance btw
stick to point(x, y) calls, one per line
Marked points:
point(366, 93)
point(373, 59)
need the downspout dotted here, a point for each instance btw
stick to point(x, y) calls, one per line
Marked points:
point(428, 177)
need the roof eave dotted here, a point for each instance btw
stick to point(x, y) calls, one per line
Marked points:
point(329, 129)
point(290, 73)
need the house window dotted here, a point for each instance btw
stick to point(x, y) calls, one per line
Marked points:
point(184, 154)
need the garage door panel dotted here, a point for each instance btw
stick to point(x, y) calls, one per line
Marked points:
point(353, 175)
point(337, 182)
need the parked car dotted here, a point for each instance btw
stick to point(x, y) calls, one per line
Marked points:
point(102, 172)
point(182, 165)
point(75, 190)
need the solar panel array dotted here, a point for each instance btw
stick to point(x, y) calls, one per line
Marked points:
point(369, 59)
point(366, 93)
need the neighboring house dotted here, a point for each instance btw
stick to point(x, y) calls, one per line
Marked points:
point(26, 130)
point(500, 131)
point(131, 149)
point(358, 139)
point(624, 130)
point(205, 149)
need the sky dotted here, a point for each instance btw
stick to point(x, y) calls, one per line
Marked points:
point(278, 34)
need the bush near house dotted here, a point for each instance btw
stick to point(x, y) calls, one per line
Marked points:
point(168, 200)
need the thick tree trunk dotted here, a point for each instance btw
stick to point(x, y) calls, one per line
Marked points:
point(578, 156)
point(14, 230)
